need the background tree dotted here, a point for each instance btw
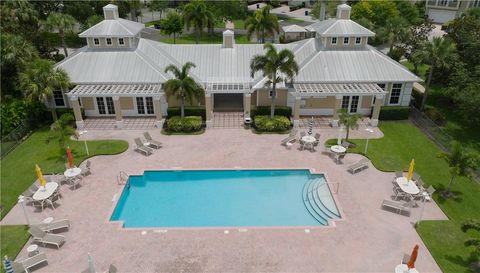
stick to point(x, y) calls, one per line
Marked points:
point(228, 9)
point(92, 20)
point(61, 130)
point(157, 5)
point(183, 87)
point(395, 30)
point(463, 88)
point(172, 24)
point(435, 54)
point(413, 45)
point(376, 11)
point(64, 23)
point(39, 81)
point(262, 23)
point(350, 121)
point(409, 11)
point(19, 17)
point(197, 15)
point(274, 65)
point(465, 32)
point(459, 161)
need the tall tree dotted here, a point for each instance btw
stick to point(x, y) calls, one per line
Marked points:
point(197, 15)
point(395, 30)
point(172, 24)
point(262, 23)
point(39, 81)
point(417, 37)
point(376, 11)
point(276, 66)
point(183, 87)
point(19, 17)
point(64, 23)
point(350, 121)
point(229, 9)
point(459, 161)
point(156, 5)
point(435, 53)
point(61, 130)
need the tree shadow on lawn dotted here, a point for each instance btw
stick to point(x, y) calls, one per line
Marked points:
point(442, 199)
point(467, 263)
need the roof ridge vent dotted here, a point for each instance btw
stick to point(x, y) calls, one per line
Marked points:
point(343, 11)
point(110, 12)
point(228, 39)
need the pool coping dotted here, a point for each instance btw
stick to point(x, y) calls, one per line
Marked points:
point(331, 223)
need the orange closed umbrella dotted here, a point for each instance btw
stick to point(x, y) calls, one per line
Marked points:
point(413, 258)
point(70, 158)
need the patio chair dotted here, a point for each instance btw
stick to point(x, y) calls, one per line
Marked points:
point(317, 139)
point(42, 237)
point(326, 151)
point(345, 144)
point(416, 176)
point(397, 175)
point(25, 265)
point(55, 225)
point(429, 193)
point(142, 148)
point(405, 258)
point(293, 133)
point(74, 181)
point(60, 178)
point(360, 165)
point(86, 170)
point(153, 143)
point(339, 157)
point(399, 194)
point(420, 184)
point(111, 269)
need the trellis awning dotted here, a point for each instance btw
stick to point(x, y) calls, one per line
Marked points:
point(338, 89)
point(230, 87)
point(98, 90)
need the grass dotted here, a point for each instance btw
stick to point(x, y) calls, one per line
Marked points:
point(239, 24)
point(13, 238)
point(294, 20)
point(18, 167)
point(206, 39)
point(444, 239)
point(422, 69)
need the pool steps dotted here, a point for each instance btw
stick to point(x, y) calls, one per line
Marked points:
point(318, 201)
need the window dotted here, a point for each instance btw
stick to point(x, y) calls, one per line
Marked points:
point(442, 2)
point(101, 106)
point(109, 41)
point(96, 41)
point(346, 40)
point(58, 98)
point(145, 105)
point(475, 3)
point(395, 94)
point(334, 40)
point(453, 3)
point(358, 40)
point(110, 106)
point(121, 41)
point(270, 93)
point(345, 102)
point(149, 103)
point(140, 106)
point(354, 104)
point(382, 85)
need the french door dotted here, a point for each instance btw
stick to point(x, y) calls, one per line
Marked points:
point(145, 105)
point(350, 103)
point(105, 106)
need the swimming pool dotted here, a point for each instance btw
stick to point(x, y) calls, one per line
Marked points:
point(225, 198)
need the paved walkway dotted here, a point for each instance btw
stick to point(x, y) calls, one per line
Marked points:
point(367, 239)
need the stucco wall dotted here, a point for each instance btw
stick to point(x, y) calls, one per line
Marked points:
point(87, 104)
point(126, 103)
point(103, 43)
point(323, 103)
point(264, 100)
point(173, 102)
point(366, 102)
point(351, 43)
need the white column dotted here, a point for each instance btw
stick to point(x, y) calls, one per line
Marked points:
point(376, 110)
point(296, 112)
point(336, 107)
point(77, 112)
point(157, 108)
point(118, 112)
point(247, 99)
point(208, 110)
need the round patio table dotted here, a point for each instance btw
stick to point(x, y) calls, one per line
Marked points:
point(407, 186)
point(72, 172)
point(44, 193)
point(338, 149)
point(403, 268)
point(308, 139)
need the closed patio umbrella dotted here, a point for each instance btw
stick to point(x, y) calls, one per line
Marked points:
point(7, 265)
point(310, 126)
point(413, 258)
point(410, 170)
point(71, 163)
point(40, 175)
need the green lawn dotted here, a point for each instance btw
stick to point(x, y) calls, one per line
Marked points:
point(294, 20)
point(402, 142)
point(422, 69)
point(18, 167)
point(206, 39)
point(13, 238)
point(239, 24)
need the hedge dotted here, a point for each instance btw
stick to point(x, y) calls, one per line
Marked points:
point(275, 124)
point(285, 111)
point(186, 124)
point(417, 98)
point(189, 111)
point(394, 113)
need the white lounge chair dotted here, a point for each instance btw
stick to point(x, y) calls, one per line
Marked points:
point(141, 148)
point(399, 207)
point(28, 263)
point(360, 165)
point(153, 143)
point(55, 225)
point(41, 236)
point(287, 140)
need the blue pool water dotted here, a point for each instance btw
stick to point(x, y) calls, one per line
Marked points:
point(225, 198)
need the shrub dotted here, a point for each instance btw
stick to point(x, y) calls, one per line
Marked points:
point(417, 98)
point(435, 115)
point(394, 113)
point(12, 115)
point(186, 124)
point(275, 124)
point(265, 110)
point(396, 53)
point(189, 111)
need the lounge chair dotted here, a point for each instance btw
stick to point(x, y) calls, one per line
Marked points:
point(317, 139)
point(345, 144)
point(287, 140)
point(293, 133)
point(153, 143)
point(55, 225)
point(360, 165)
point(29, 262)
point(142, 148)
point(60, 178)
point(86, 170)
point(398, 207)
point(41, 236)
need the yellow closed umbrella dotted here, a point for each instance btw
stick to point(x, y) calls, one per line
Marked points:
point(40, 175)
point(410, 170)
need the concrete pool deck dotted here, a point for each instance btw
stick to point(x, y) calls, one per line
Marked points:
point(368, 239)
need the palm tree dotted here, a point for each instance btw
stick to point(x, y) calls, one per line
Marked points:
point(459, 160)
point(39, 81)
point(435, 54)
point(197, 14)
point(396, 29)
point(276, 66)
point(61, 130)
point(182, 86)
point(64, 23)
point(262, 22)
point(19, 17)
point(350, 121)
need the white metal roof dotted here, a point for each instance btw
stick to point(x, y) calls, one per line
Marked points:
point(89, 90)
point(343, 88)
point(339, 27)
point(114, 28)
point(293, 29)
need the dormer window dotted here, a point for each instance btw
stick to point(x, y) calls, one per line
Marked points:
point(346, 40)
point(358, 40)
point(121, 41)
point(96, 41)
point(109, 41)
point(334, 40)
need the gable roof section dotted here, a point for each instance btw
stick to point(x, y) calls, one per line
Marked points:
point(114, 28)
point(293, 28)
point(339, 27)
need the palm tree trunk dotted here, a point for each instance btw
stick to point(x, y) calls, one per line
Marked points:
point(182, 108)
point(64, 44)
point(272, 103)
point(263, 36)
point(348, 132)
point(51, 105)
point(197, 35)
point(174, 42)
point(427, 87)
point(450, 184)
point(391, 48)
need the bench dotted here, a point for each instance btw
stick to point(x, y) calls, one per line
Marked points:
point(397, 206)
point(360, 165)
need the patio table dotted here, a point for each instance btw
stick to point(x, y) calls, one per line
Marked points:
point(72, 172)
point(308, 141)
point(44, 193)
point(403, 268)
point(407, 186)
point(338, 149)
